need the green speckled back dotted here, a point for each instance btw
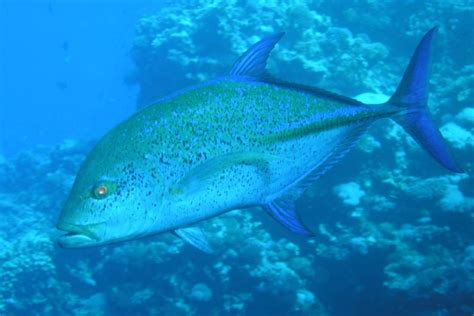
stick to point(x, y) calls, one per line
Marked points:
point(227, 144)
point(210, 120)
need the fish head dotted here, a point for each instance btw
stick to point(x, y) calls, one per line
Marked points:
point(109, 203)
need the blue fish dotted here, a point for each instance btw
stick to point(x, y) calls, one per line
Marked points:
point(240, 141)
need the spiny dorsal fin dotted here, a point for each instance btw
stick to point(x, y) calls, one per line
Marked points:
point(253, 62)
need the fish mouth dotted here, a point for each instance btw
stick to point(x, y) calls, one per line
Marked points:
point(77, 236)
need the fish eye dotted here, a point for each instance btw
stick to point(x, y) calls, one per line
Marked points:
point(101, 191)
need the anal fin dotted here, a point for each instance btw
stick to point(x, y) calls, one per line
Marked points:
point(297, 188)
point(283, 208)
point(285, 213)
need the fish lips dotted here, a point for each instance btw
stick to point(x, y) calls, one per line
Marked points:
point(79, 236)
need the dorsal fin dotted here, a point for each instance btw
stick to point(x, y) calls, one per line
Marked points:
point(318, 92)
point(253, 62)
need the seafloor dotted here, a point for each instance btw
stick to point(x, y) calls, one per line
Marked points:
point(394, 231)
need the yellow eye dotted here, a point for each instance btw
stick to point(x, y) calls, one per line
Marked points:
point(101, 192)
point(103, 189)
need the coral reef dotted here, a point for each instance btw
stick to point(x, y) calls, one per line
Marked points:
point(415, 236)
point(201, 41)
point(393, 230)
point(155, 276)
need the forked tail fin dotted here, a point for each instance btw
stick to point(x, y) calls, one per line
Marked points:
point(412, 95)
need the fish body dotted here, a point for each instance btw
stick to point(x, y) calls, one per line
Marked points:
point(235, 142)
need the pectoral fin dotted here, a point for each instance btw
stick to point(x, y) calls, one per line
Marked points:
point(202, 175)
point(195, 237)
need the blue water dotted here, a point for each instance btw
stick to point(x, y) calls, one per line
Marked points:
point(63, 66)
point(393, 230)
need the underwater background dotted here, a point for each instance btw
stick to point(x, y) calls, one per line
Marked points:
point(394, 231)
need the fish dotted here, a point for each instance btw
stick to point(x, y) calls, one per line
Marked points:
point(244, 140)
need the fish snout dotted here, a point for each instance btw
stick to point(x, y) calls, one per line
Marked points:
point(79, 235)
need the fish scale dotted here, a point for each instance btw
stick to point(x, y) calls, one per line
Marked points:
point(240, 141)
point(279, 125)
